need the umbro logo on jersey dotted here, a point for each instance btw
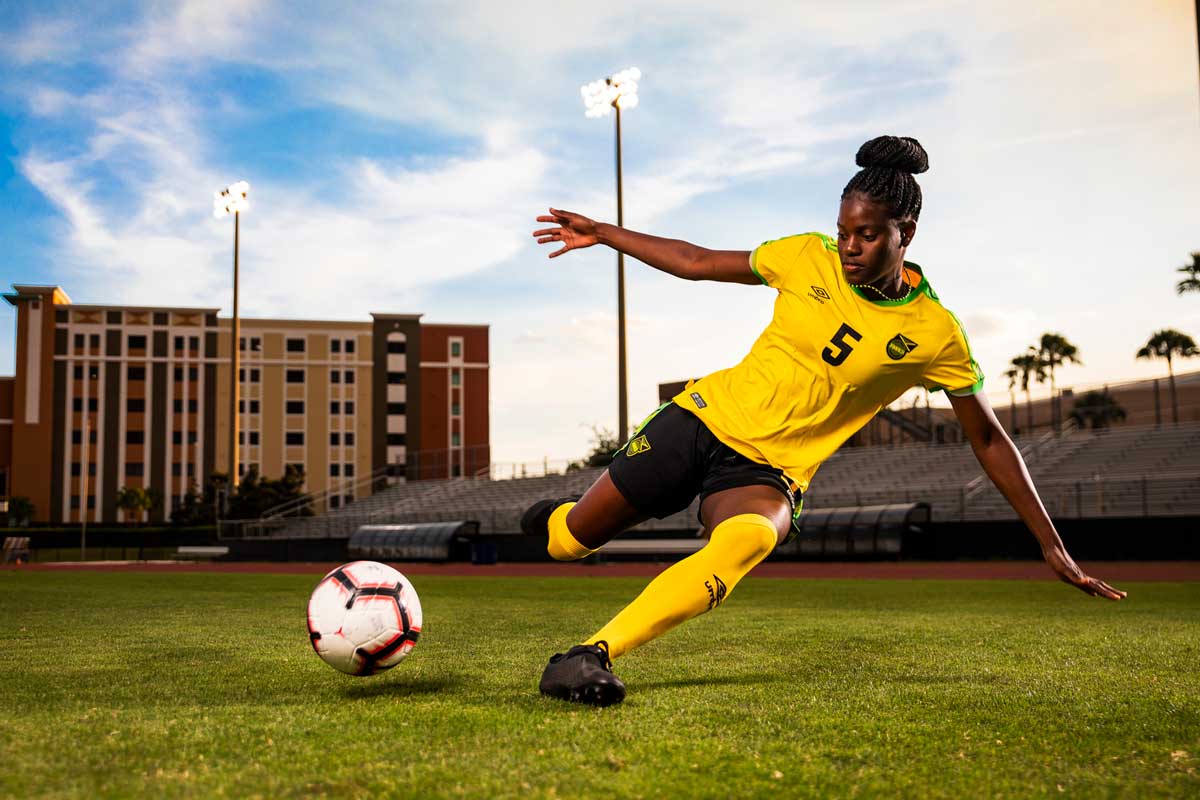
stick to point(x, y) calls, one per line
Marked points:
point(698, 400)
point(818, 294)
point(899, 346)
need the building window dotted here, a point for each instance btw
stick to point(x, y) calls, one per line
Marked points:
point(335, 501)
point(193, 406)
point(76, 437)
point(134, 469)
point(396, 377)
point(295, 345)
point(136, 373)
point(251, 435)
point(455, 409)
point(77, 372)
point(295, 376)
point(456, 471)
point(455, 349)
point(335, 376)
point(177, 406)
point(455, 377)
point(135, 437)
point(456, 439)
point(349, 345)
point(294, 438)
point(335, 407)
point(193, 343)
point(79, 341)
point(397, 408)
point(397, 439)
point(136, 343)
point(179, 373)
point(349, 378)
point(335, 345)
point(295, 406)
point(333, 470)
point(94, 340)
point(193, 373)
point(76, 469)
point(348, 470)
point(254, 406)
point(176, 437)
point(178, 343)
point(176, 470)
point(136, 405)
point(395, 347)
point(160, 318)
point(335, 439)
point(112, 317)
point(256, 376)
point(349, 407)
point(349, 439)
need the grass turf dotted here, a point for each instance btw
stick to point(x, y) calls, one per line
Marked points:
point(120, 684)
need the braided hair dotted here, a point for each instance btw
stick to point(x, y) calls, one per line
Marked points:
point(888, 165)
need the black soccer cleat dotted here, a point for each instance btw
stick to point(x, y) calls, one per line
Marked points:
point(536, 519)
point(583, 674)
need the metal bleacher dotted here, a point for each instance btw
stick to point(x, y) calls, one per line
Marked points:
point(1131, 471)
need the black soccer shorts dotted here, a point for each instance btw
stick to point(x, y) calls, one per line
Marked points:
point(673, 456)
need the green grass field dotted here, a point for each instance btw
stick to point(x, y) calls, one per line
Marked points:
point(123, 684)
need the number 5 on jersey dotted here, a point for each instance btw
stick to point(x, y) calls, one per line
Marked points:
point(836, 357)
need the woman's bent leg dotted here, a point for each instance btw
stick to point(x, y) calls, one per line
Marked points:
point(578, 529)
point(703, 580)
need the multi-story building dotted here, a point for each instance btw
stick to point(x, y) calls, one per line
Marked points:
point(112, 396)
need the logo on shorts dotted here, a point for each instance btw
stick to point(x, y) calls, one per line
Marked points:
point(717, 594)
point(639, 445)
point(698, 400)
point(818, 294)
point(899, 346)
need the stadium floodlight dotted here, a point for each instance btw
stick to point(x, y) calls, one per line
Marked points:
point(600, 97)
point(233, 199)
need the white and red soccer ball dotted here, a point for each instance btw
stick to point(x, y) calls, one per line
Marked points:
point(363, 618)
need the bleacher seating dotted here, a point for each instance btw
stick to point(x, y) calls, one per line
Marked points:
point(1124, 471)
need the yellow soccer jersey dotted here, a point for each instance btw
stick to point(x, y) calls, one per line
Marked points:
point(829, 361)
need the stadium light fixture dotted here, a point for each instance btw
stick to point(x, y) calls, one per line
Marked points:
point(600, 98)
point(233, 199)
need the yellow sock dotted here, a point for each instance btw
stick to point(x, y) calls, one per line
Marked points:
point(562, 545)
point(694, 585)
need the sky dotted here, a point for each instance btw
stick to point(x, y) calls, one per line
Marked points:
point(398, 153)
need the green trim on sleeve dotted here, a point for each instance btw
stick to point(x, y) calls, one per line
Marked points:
point(754, 269)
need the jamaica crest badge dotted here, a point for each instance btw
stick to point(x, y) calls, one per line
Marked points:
point(899, 346)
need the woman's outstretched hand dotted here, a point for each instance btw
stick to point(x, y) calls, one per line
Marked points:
point(574, 231)
point(1069, 572)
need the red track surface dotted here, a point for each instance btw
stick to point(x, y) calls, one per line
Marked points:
point(1113, 571)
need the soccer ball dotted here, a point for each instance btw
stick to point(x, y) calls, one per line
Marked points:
point(364, 618)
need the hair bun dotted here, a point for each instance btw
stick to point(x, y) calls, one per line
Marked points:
point(902, 153)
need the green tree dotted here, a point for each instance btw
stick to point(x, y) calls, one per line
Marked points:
point(131, 500)
point(255, 495)
point(1170, 344)
point(1192, 282)
point(1029, 367)
point(604, 444)
point(20, 511)
point(1097, 409)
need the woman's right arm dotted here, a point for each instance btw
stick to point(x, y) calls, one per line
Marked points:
point(675, 257)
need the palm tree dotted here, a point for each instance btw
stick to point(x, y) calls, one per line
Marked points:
point(1168, 344)
point(1097, 409)
point(1029, 367)
point(1192, 282)
point(1012, 373)
point(1055, 350)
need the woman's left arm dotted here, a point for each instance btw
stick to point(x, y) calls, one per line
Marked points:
point(1004, 465)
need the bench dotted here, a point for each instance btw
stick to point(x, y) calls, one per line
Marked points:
point(200, 552)
point(16, 550)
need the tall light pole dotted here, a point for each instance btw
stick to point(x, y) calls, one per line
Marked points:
point(233, 200)
point(601, 97)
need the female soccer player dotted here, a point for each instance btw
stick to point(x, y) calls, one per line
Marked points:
point(855, 326)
